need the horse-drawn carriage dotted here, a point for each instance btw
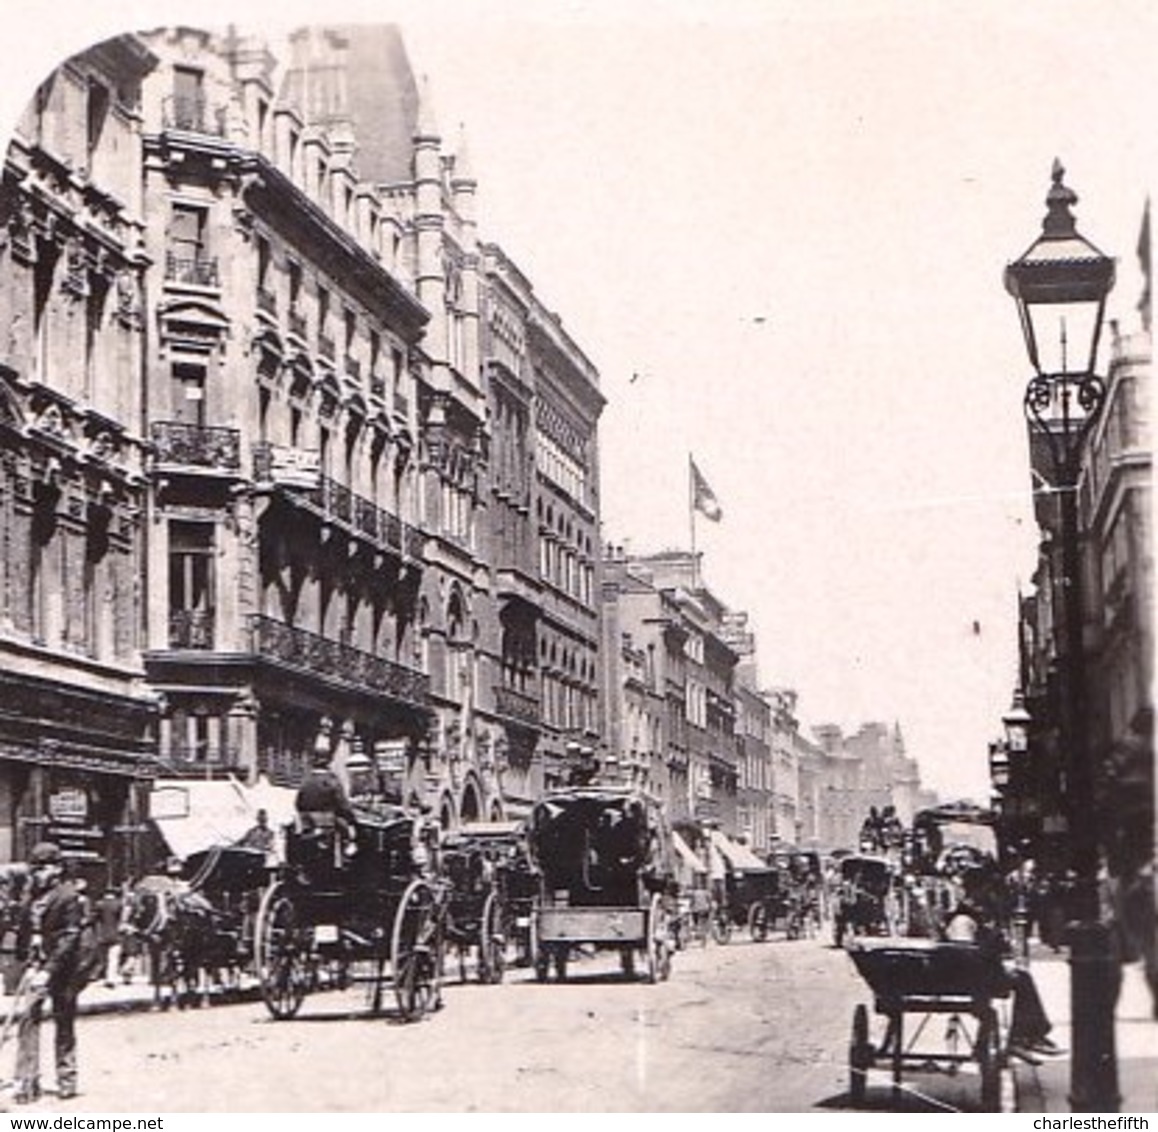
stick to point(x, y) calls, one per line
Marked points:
point(604, 857)
point(924, 978)
point(864, 897)
point(755, 898)
point(483, 864)
point(805, 877)
point(359, 903)
point(195, 921)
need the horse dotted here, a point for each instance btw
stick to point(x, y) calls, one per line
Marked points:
point(191, 945)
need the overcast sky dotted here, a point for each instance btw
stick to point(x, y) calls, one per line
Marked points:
point(778, 230)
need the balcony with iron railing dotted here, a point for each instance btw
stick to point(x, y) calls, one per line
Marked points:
point(336, 503)
point(193, 114)
point(199, 270)
point(516, 705)
point(191, 629)
point(291, 647)
point(210, 448)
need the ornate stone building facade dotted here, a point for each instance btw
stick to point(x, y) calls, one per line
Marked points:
point(76, 718)
point(291, 460)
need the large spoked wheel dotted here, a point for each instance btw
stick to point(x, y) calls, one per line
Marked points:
point(758, 922)
point(721, 925)
point(492, 946)
point(281, 948)
point(658, 941)
point(860, 1055)
point(416, 952)
point(990, 1062)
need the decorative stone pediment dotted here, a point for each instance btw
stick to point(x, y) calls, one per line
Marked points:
point(195, 323)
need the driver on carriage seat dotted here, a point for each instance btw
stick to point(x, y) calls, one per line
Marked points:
point(977, 919)
point(322, 805)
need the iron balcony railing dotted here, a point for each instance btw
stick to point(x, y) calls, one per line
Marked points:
point(338, 504)
point(516, 705)
point(199, 270)
point(194, 114)
point(320, 656)
point(196, 446)
point(191, 629)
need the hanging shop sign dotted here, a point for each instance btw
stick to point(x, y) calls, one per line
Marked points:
point(295, 467)
point(69, 806)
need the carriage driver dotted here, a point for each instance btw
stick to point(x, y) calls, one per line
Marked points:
point(322, 802)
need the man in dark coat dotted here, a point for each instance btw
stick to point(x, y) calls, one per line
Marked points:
point(51, 944)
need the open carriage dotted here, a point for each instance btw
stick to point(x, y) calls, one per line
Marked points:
point(359, 905)
point(959, 982)
point(606, 878)
point(483, 862)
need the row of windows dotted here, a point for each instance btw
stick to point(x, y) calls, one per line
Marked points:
point(567, 706)
point(560, 566)
point(561, 469)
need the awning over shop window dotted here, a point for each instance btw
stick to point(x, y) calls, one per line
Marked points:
point(738, 856)
point(192, 815)
point(687, 857)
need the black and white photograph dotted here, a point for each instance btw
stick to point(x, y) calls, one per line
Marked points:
point(577, 557)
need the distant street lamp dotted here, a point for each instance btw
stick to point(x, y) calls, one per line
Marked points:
point(1060, 286)
point(999, 766)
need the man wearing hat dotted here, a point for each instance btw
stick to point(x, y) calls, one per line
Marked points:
point(50, 942)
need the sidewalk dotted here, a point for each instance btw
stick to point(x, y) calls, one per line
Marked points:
point(136, 996)
point(1045, 1087)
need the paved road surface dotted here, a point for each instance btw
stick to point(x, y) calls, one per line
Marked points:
point(745, 1027)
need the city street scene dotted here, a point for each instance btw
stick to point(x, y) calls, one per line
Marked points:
point(578, 562)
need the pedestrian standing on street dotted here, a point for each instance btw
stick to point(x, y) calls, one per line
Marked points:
point(109, 910)
point(50, 943)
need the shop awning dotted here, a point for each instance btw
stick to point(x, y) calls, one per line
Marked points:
point(192, 815)
point(737, 855)
point(687, 856)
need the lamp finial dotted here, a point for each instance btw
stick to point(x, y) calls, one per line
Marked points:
point(1059, 222)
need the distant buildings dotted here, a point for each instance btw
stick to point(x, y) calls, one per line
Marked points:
point(291, 459)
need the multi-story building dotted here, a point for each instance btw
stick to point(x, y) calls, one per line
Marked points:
point(1116, 501)
point(755, 774)
point(285, 509)
point(566, 509)
point(692, 635)
point(76, 718)
point(284, 555)
point(544, 405)
point(785, 785)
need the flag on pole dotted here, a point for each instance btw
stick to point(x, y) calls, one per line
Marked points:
point(703, 497)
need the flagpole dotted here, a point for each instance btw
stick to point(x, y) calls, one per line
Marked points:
point(692, 522)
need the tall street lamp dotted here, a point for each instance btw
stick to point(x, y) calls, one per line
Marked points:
point(1060, 286)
